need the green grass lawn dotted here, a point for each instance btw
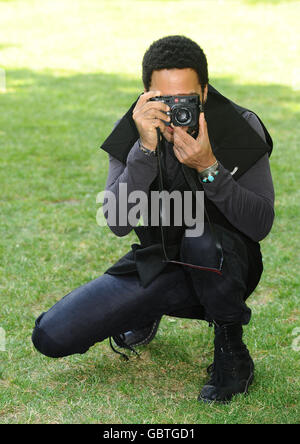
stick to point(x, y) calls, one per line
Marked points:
point(72, 68)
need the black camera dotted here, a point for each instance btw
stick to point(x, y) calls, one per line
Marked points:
point(184, 110)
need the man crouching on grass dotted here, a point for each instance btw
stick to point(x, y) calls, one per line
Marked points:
point(226, 156)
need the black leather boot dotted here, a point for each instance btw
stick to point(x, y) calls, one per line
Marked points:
point(232, 370)
point(142, 336)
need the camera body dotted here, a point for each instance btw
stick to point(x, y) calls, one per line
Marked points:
point(184, 110)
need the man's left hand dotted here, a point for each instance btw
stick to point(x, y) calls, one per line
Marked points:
point(195, 153)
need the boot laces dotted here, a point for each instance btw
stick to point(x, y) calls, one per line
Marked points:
point(222, 368)
point(224, 365)
point(124, 345)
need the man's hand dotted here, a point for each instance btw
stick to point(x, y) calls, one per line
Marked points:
point(195, 153)
point(147, 117)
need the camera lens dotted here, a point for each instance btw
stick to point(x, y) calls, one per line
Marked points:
point(183, 116)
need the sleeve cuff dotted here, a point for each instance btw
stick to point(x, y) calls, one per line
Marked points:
point(137, 155)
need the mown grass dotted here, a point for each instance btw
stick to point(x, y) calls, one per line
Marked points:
point(72, 69)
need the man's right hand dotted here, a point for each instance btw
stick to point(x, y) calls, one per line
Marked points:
point(147, 117)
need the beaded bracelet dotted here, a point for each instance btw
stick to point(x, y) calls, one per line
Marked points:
point(209, 174)
point(147, 151)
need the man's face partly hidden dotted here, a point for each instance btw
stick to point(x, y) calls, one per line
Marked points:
point(172, 82)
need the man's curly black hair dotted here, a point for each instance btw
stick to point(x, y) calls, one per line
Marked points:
point(174, 51)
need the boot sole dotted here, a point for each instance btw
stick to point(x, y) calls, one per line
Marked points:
point(151, 335)
point(225, 401)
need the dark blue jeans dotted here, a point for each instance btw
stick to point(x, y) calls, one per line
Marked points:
point(112, 304)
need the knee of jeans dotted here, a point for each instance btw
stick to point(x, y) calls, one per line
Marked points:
point(43, 343)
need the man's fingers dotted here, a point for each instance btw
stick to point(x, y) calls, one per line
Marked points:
point(155, 114)
point(144, 99)
point(181, 134)
point(202, 126)
point(146, 96)
point(149, 108)
point(181, 138)
point(181, 147)
point(159, 124)
point(155, 105)
point(178, 153)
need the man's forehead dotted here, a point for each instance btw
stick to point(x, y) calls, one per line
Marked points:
point(191, 93)
point(175, 81)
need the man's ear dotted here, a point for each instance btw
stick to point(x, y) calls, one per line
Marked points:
point(205, 93)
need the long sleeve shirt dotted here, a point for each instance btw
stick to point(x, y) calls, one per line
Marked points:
point(247, 203)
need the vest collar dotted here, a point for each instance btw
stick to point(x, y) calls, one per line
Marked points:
point(234, 142)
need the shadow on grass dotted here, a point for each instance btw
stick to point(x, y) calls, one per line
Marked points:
point(163, 362)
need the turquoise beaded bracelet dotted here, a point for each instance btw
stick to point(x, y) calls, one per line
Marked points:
point(209, 174)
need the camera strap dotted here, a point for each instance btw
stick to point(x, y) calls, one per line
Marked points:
point(192, 184)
